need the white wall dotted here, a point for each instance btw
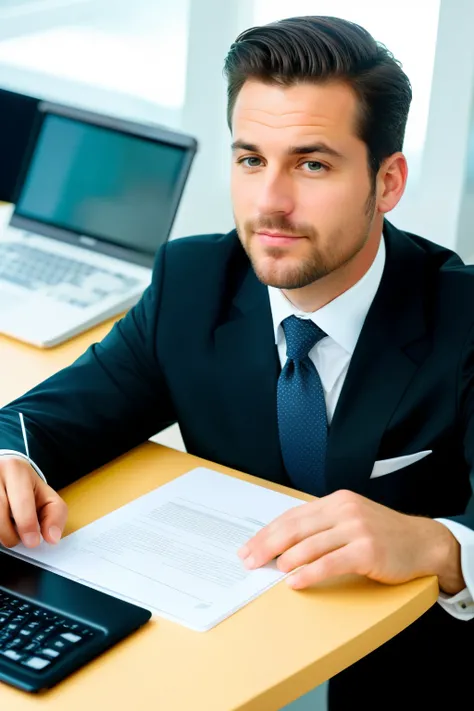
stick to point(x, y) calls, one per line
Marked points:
point(437, 211)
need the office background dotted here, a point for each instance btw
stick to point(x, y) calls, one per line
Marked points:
point(161, 61)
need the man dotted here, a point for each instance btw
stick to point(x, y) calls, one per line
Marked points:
point(308, 347)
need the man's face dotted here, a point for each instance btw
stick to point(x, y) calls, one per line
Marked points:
point(301, 189)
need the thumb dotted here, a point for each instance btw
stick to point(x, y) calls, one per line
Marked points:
point(52, 513)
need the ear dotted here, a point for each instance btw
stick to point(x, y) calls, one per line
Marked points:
point(391, 182)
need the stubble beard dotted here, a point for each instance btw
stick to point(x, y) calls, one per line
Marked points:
point(317, 265)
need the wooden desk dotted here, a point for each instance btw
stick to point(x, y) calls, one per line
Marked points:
point(22, 366)
point(274, 650)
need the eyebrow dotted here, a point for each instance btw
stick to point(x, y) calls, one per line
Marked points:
point(292, 150)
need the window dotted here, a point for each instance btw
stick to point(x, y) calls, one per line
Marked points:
point(111, 55)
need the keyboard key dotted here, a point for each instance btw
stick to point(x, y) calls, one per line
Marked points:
point(16, 643)
point(59, 645)
point(74, 638)
point(52, 618)
point(12, 654)
point(36, 663)
point(85, 632)
point(50, 653)
point(26, 633)
point(39, 638)
point(40, 614)
point(34, 625)
point(47, 631)
point(18, 619)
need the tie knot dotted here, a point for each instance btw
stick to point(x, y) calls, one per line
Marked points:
point(301, 335)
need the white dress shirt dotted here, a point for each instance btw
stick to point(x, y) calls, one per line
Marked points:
point(342, 319)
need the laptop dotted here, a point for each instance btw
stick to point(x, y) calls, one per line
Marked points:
point(98, 196)
point(50, 626)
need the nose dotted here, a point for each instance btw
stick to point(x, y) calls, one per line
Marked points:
point(274, 195)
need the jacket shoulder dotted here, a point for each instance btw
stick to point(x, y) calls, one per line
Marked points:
point(207, 258)
point(199, 272)
point(440, 260)
point(450, 281)
point(191, 247)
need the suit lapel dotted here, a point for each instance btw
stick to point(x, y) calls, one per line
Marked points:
point(392, 344)
point(245, 339)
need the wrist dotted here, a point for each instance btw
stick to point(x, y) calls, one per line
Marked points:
point(445, 558)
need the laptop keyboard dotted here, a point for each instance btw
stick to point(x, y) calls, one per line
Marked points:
point(65, 279)
point(36, 638)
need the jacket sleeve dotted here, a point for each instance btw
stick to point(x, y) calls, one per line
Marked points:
point(465, 398)
point(108, 401)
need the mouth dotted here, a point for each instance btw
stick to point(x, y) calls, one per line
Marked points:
point(274, 239)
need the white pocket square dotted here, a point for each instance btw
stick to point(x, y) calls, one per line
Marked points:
point(387, 466)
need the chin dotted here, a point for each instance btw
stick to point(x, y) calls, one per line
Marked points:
point(280, 277)
point(287, 273)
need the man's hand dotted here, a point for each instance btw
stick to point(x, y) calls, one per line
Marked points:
point(345, 533)
point(28, 506)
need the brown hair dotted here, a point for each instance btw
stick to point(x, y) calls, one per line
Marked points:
point(319, 49)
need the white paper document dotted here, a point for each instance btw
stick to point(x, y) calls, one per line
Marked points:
point(174, 550)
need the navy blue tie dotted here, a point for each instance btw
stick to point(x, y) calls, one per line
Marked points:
point(302, 417)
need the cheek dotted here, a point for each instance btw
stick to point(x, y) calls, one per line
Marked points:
point(239, 195)
point(332, 201)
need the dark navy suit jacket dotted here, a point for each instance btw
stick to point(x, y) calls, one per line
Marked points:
point(199, 349)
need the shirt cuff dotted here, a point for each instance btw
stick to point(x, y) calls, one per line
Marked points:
point(461, 605)
point(20, 455)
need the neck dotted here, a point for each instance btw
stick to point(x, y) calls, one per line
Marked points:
point(316, 295)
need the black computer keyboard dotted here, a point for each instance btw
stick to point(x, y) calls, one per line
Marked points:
point(36, 638)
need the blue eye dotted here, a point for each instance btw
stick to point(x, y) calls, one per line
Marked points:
point(314, 166)
point(243, 161)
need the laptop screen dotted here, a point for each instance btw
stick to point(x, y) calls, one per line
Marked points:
point(102, 183)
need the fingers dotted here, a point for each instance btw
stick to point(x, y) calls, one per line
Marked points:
point(52, 514)
point(29, 508)
point(301, 522)
point(312, 548)
point(21, 497)
point(342, 561)
point(283, 533)
point(8, 535)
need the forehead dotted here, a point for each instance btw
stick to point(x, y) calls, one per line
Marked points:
point(328, 109)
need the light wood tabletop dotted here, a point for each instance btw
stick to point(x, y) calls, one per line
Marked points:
point(269, 653)
point(22, 366)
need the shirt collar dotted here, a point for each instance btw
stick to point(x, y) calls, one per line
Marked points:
point(343, 317)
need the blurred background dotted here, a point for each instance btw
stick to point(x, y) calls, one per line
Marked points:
point(160, 61)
